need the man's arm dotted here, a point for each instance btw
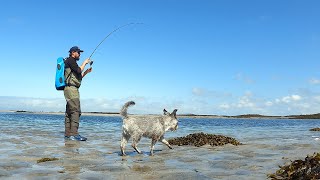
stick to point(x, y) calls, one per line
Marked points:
point(74, 66)
point(87, 71)
point(85, 62)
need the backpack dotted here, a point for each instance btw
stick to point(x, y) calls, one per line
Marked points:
point(60, 79)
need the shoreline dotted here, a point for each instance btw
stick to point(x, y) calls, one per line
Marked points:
point(194, 116)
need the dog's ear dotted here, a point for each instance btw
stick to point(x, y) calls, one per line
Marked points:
point(174, 113)
point(165, 112)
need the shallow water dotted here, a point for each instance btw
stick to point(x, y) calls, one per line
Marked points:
point(26, 138)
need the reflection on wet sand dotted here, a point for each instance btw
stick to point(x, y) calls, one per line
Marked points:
point(70, 151)
point(71, 147)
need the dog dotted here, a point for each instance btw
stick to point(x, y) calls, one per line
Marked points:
point(152, 127)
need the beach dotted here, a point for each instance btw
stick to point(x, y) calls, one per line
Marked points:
point(26, 138)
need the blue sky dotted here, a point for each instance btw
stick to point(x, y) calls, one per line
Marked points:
point(203, 57)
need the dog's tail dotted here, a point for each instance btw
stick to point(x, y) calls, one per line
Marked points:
point(124, 109)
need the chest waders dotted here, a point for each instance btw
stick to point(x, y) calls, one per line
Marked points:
point(73, 110)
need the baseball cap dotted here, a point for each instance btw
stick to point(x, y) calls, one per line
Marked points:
point(75, 49)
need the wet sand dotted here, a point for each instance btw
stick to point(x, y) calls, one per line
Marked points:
point(23, 143)
point(99, 158)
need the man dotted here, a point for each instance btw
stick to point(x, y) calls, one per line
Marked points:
point(74, 75)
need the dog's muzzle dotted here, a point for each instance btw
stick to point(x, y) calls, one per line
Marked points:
point(176, 127)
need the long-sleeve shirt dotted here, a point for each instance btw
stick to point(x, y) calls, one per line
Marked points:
point(75, 78)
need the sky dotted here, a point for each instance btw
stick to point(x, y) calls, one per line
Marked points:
point(219, 57)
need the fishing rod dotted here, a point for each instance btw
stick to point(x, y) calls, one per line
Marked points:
point(91, 62)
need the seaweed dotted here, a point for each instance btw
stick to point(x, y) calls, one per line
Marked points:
point(46, 159)
point(200, 139)
point(315, 129)
point(299, 169)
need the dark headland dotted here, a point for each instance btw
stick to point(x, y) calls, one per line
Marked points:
point(243, 116)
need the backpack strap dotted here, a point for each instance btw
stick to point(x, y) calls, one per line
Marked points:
point(68, 74)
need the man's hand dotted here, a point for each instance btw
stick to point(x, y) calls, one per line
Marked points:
point(87, 71)
point(87, 61)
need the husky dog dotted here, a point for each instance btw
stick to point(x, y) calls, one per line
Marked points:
point(152, 127)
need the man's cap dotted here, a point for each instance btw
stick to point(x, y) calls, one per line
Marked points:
point(75, 49)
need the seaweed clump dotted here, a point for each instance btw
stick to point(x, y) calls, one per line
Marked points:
point(200, 139)
point(46, 159)
point(315, 129)
point(299, 169)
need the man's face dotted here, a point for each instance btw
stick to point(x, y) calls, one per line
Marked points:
point(76, 55)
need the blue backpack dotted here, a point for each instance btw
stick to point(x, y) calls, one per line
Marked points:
point(60, 79)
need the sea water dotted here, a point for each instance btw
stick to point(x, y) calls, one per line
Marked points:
point(267, 143)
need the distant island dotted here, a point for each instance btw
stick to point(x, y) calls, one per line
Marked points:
point(304, 116)
point(244, 116)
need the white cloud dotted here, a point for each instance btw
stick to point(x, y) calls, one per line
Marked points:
point(143, 105)
point(31, 104)
point(244, 78)
point(198, 91)
point(295, 104)
point(248, 103)
point(206, 93)
point(268, 103)
point(288, 99)
point(317, 98)
point(245, 102)
point(224, 106)
point(314, 81)
point(296, 97)
point(290, 104)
